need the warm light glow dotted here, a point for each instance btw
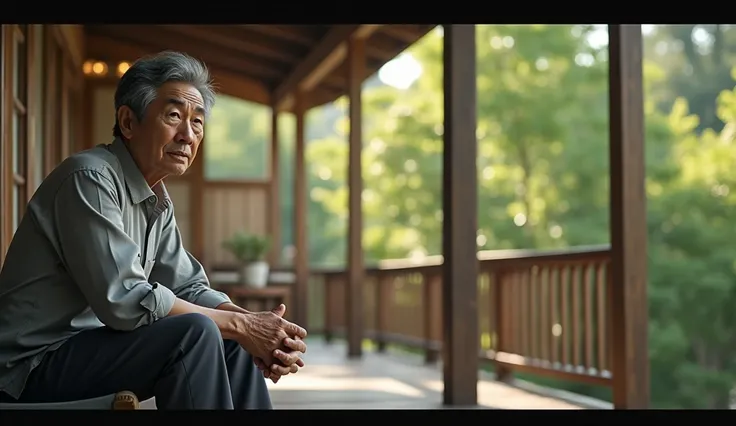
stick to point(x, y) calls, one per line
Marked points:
point(87, 67)
point(99, 68)
point(122, 67)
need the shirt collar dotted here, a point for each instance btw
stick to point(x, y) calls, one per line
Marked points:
point(138, 188)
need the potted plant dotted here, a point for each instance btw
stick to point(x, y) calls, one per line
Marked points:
point(250, 250)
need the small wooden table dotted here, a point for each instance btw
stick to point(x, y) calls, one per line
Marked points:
point(257, 299)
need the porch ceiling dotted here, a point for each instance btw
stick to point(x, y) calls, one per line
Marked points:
point(260, 63)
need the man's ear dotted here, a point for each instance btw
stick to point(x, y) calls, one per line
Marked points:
point(127, 121)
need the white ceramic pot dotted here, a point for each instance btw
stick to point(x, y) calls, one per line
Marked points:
point(255, 274)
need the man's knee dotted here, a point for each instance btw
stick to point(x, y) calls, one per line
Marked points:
point(193, 328)
point(196, 322)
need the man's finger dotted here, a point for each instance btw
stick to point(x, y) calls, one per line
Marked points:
point(259, 363)
point(295, 344)
point(279, 310)
point(286, 358)
point(280, 369)
point(294, 329)
point(300, 362)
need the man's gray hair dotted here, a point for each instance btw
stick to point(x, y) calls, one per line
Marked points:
point(138, 87)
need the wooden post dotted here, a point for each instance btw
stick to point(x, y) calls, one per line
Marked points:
point(196, 182)
point(274, 215)
point(354, 293)
point(628, 287)
point(301, 259)
point(459, 205)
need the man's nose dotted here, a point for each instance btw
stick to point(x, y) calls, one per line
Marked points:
point(186, 134)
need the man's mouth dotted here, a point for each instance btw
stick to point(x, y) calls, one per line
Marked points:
point(179, 156)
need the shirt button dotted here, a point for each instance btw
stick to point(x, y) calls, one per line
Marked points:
point(152, 200)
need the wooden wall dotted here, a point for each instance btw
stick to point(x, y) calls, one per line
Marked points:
point(40, 122)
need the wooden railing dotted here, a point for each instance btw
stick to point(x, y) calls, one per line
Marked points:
point(540, 312)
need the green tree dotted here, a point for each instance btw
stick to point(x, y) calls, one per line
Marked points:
point(692, 268)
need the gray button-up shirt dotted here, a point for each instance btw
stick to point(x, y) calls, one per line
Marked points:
point(97, 246)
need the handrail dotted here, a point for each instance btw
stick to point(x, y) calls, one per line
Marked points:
point(483, 256)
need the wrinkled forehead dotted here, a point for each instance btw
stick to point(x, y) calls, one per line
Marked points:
point(181, 95)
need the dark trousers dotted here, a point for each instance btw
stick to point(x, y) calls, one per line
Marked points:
point(181, 360)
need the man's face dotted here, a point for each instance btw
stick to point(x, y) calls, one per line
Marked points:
point(166, 141)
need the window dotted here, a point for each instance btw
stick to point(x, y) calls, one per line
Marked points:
point(19, 124)
point(237, 141)
point(39, 82)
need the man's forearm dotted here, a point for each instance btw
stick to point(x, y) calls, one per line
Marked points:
point(231, 307)
point(229, 324)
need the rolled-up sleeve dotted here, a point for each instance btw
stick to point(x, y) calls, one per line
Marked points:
point(176, 268)
point(101, 258)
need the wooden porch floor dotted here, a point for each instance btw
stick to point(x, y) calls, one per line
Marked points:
point(387, 381)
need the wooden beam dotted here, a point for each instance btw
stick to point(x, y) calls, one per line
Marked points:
point(157, 39)
point(237, 40)
point(460, 218)
point(365, 31)
point(627, 286)
point(405, 32)
point(304, 35)
point(322, 59)
point(74, 37)
point(356, 271)
point(228, 83)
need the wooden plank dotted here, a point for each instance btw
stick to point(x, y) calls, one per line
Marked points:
point(238, 40)
point(628, 287)
point(392, 380)
point(227, 82)
point(405, 32)
point(304, 35)
point(459, 227)
point(161, 39)
point(354, 294)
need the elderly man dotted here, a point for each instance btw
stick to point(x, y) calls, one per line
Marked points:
point(98, 295)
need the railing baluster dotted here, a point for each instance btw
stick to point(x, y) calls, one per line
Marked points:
point(565, 308)
point(601, 321)
point(553, 318)
point(576, 334)
point(588, 277)
point(544, 312)
point(525, 338)
point(383, 309)
point(430, 282)
point(547, 313)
